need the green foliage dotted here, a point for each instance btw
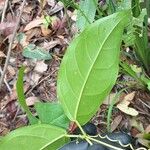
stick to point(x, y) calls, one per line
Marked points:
point(21, 96)
point(95, 55)
point(141, 39)
point(34, 52)
point(47, 21)
point(123, 5)
point(127, 69)
point(87, 74)
point(86, 13)
point(69, 3)
point(136, 10)
point(136, 35)
point(35, 137)
point(147, 136)
point(147, 7)
point(111, 5)
point(52, 113)
point(110, 109)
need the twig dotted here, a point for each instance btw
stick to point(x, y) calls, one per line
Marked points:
point(4, 10)
point(10, 7)
point(11, 43)
point(7, 85)
point(40, 82)
point(144, 103)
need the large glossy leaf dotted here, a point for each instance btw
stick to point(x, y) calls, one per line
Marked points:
point(52, 113)
point(90, 67)
point(35, 137)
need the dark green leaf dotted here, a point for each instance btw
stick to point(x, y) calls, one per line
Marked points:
point(136, 10)
point(34, 137)
point(35, 52)
point(52, 113)
point(90, 67)
point(21, 96)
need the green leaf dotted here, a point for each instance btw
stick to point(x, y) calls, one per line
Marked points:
point(47, 21)
point(21, 96)
point(52, 113)
point(35, 137)
point(34, 52)
point(111, 5)
point(86, 13)
point(147, 136)
point(90, 67)
point(127, 69)
point(136, 10)
point(123, 5)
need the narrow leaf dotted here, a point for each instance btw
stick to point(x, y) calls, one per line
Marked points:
point(21, 96)
point(35, 137)
point(90, 67)
point(52, 113)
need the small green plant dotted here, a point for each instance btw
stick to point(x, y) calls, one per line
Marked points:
point(81, 88)
point(137, 39)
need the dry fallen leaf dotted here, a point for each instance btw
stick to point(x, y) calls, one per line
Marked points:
point(142, 141)
point(7, 27)
point(147, 130)
point(128, 98)
point(124, 105)
point(51, 2)
point(108, 100)
point(51, 44)
point(28, 9)
point(38, 72)
point(45, 31)
point(2, 54)
point(59, 6)
point(136, 124)
point(127, 110)
point(11, 70)
point(35, 32)
point(35, 77)
point(40, 67)
point(2, 2)
point(33, 24)
point(116, 122)
point(30, 101)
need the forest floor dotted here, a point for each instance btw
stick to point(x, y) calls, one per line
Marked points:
point(41, 76)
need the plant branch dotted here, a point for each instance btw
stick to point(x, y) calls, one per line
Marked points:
point(84, 134)
point(89, 139)
point(10, 44)
point(7, 85)
point(4, 10)
point(105, 144)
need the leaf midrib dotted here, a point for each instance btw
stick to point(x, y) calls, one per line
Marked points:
point(83, 87)
point(54, 140)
